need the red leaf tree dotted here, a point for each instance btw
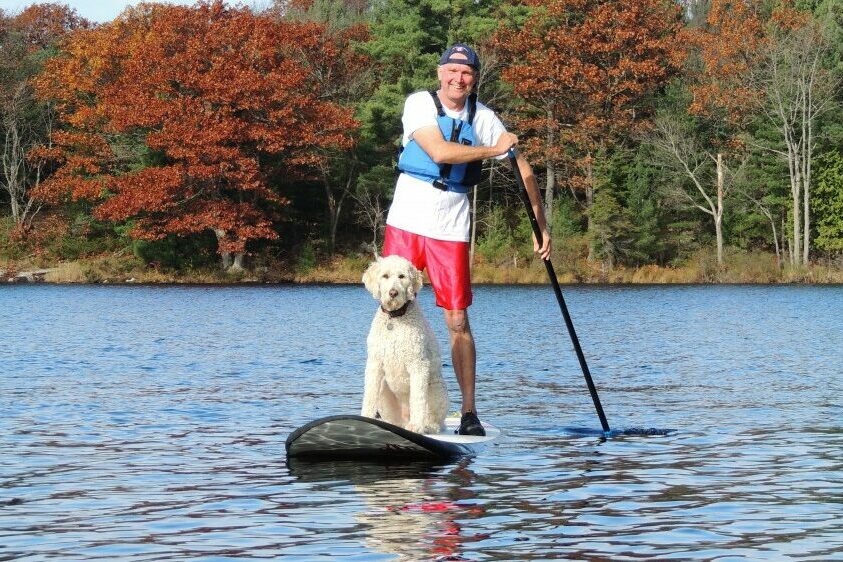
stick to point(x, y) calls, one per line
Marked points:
point(176, 117)
point(584, 70)
point(722, 52)
point(41, 24)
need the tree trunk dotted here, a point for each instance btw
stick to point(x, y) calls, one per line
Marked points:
point(14, 178)
point(226, 256)
point(807, 137)
point(333, 219)
point(796, 241)
point(769, 216)
point(718, 212)
point(589, 199)
point(336, 199)
point(550, 181)
point(788, 242)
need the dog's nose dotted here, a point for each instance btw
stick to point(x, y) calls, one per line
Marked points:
point(393, 293)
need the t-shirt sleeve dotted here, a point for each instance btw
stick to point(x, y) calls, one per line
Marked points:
point(488, 128)
point(419, 112)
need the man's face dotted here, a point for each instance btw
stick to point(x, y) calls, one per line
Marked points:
point(456, 80)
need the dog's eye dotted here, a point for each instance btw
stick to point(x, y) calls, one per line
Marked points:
point(386, 276)
point(401, 276)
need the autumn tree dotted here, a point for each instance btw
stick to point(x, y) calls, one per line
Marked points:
point(701, 138)
point(585, 72)
point(25, 122)
point(41, 25)
point(175, 118)
point(337, 14)
point(345, 77)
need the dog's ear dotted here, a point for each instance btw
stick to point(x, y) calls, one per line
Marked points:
point(370, 278)
point(415, 280)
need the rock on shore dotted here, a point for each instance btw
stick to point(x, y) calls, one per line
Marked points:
point(35, 276)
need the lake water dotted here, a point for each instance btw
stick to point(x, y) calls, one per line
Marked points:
point(148, 423)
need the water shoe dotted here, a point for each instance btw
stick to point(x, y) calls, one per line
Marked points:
point(470, 425)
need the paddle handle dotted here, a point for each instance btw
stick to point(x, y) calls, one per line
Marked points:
point(525, 198)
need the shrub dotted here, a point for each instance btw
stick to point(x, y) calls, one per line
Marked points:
point(307, 258)
point(495, 242)
point(177, 252)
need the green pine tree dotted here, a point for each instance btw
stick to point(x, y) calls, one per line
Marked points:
point(828, 202)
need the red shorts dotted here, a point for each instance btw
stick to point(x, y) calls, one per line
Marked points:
point(446, 262)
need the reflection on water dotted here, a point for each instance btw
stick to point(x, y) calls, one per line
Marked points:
point(411, 510)
point(149, 423)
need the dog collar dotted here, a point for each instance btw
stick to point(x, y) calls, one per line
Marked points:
point(398, 311)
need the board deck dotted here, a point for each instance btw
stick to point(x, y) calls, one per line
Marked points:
point(337, 437)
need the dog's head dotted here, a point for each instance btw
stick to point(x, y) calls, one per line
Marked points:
point(393, 281)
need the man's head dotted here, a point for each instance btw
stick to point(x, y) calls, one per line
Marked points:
point(457, 72)
point(458, 53)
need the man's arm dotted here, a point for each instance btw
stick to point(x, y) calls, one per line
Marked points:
point(536, 202)
point(430, 139)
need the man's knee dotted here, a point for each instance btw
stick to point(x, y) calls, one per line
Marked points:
point(457, 321)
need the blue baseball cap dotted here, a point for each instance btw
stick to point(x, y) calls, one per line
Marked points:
point(471, 59)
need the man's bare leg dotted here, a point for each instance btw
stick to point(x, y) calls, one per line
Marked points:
point(463, 355)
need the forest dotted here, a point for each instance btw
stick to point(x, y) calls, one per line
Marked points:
point(691, 141)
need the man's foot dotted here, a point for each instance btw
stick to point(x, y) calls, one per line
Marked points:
point(470, 425)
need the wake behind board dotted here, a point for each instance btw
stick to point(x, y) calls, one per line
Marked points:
point(339, 437)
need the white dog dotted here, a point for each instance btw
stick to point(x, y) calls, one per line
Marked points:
point(404, 381)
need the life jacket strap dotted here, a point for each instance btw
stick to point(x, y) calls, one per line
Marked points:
point(445, 169)
point(472, 106)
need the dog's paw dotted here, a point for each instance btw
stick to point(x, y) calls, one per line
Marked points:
point(423, 428)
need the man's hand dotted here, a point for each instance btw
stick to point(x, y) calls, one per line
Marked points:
point(544, 251)
point(505, 142)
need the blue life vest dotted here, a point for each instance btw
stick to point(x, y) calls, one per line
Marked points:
point(458, 178)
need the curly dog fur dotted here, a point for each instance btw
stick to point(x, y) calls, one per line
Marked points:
point(403, 382)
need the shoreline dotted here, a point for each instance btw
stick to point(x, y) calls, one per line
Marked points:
point(349, 269)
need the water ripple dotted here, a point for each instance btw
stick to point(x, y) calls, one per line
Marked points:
point(145, 424)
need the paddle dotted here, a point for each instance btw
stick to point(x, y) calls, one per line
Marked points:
point(522, 192)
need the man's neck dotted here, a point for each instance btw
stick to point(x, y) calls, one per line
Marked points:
point(450, 104)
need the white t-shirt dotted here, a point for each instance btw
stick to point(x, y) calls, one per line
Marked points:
point(417, 206)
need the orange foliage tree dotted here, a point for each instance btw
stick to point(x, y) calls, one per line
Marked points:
point(727, 45)
point(24, 121)
point(723, 53)
point(42, 24)
point(584, 70)
point(176, 118)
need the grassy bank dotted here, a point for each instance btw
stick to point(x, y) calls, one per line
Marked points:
point(117, 268)
point(82, 250)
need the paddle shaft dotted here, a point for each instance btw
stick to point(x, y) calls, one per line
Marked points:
point(525, 198)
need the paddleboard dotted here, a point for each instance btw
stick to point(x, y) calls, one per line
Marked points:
point(337, 437)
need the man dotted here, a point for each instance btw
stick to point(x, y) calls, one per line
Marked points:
point(447, 135)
